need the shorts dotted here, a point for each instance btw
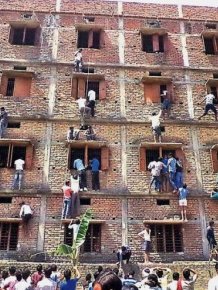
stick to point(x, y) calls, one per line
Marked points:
point(210, 107)
point(183, 202)
point(147, 246)
point(157, 131)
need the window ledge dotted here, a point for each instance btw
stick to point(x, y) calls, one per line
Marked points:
point(93, 221)
point(166, 221)
point(209, 32)
point(91, 76)
point(89, 143)
point(19, 73)
point(212, 82)
point(30, 23)
point(15, 141)
point(156, 79)
point(163, 145)
point(152, 30)
point(88, 26)
point(11, 220)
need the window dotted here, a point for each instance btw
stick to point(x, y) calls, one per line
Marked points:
point(10, 152)
point(14, 124)
point(211, 45)
point(85, 201)
point(154, 91)
point(8, 236)
point(210, 25)
point(166, 238)
point(163, 202)
point(80, 87)
point(5, 199)
point(86, 154)
point(18, 86)
point(23, 35)
point(90, 39)
point(153, 154)
point(153, 43)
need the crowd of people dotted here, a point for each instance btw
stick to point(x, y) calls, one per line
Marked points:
point(50, 278)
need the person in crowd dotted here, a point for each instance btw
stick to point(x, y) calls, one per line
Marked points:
point(55, 274)
point(116, 271)
point(79, 166)
point(3, 121)
point(130, 287)
point(37, 276)
point(179, 173)
point(146, 236)
point(47, 283)
point(155, 124)
point(163, 275)
point(107, 280)
point(124, 254)
point(166, 104)
point(18, 283)
point(174, 284)
point(92, 99)
point(23, 284)
point(189, 279)
point(88, 282)
point(73, 134)
point(19, 169)
point(100, 269)
point(211, 236)
point(74, 224)
point(83, 108)
point(171, 165)
point(129, 279)
point(90, 134)
point(209, 99)
point(153, 283)
point(164, 176)
point(67, 200)
point(70, 283)
point(156, 167)
point(78, 60)
point(10, 279)
point(213, 282)
point(214, 193)
point(183, 193)
point(26, 212)
point(95, 166)
point(4, 276)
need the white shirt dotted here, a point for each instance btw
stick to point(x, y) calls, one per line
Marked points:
point(75, 228)
point(189, 284)
point(213, 283)
point(155, 120)
point(25, 209)
point(74, 184)
point(78, 56)
point(81, 103)
point(146, 235)
point(46, 284)
point(209, 99)
point(156, 167)
point(19, 163)
point(9, 280)
point(22, 285)
point(91, 95)
point(172, 285)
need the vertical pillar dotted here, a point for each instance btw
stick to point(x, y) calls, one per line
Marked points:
point(203, 228)
point(42, 219)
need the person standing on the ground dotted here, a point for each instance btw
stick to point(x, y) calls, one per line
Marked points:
point(10, 279)
point(189, 279)
point(19, 169)
point(70, 284)
point(47, 283)
point(146, 236)
point(67, 200)
point(78, 60)
point(79, 166)
point(174, 284)
point(92, 99)
point(95, 166)
point(3, 121)
point(162, 274)
point(37, 276)
point(172, 171)
point(155, 124)
point(213, 282)
point(209, 106)
point(183, 193)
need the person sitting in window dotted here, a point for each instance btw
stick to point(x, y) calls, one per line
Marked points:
point(166, 104)
point(3, 121)
point(72, 134)
point(18, 177)
point(209, 99)
point(91, 104)
point(155, 125)
point(124, 254)
point(78, 61)
point(90, 133)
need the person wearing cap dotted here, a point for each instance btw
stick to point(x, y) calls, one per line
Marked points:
point(213, 282)
point(3, 121)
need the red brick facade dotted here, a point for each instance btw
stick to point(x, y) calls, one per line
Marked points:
point(47, 108)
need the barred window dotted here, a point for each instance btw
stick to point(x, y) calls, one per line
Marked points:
point(8, 236)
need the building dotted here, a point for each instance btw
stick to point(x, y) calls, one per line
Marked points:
point(132, 53)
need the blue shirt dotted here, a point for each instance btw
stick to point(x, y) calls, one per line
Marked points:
point(78, 164)
point(69, 284)
point(95, 164)
point(214, 195)
point(172, 165)
point(183, 192)
point(165, 162)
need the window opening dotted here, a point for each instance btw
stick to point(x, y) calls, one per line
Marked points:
point(161, 43)
point(89, 18)
point(154, 73)
point(8, 236)
point(214, 92)
point(14, 125)
point(94, 153)
point(151, 155)
point(85, 201)
point(209, 46)
point(147, 43)
point(88, 70)
point(215, 76)
point(30, 36)
point(93, 239)
point(83, 39)
point(93, 86)
point(68, 235)
point(19, 67)
point(10, 87)
point(96, 40)
point(210, 25)
point(18, 152)
point(4, 150)
point(75, 154)
point(5, 199)
point(163, 202)
point(23, 36)
point(162, 89)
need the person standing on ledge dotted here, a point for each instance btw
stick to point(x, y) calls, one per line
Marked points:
point(155, 125)
point(209, 99)
point(3, 121)
point(146, 236)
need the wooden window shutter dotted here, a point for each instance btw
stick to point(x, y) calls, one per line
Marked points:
point(102, 38)
point(142, 159)
point(69, 157)
point(4, 83)
point(214, 158)
point(102, 90)
point(170, 92)
point(155, 40)
point(152, 93)
point(166, 42)
point(81, 88)
point(11, 35)
point(22, 87)
point(74, 89)
point(180, 154)
point(29, 156)
point(10, 153)
point(90, 40)
point(104, 158)
point(215, 44)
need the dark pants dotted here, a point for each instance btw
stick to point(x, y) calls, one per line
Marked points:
point(75, 205)
point(91, 105)
point(26, 218)
point(121, 257)
point(95, 180)
point(82, 179)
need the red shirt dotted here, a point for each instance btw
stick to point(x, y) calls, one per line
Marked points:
point(67, 191)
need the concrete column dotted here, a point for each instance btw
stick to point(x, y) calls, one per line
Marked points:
point(42, 219)
point(124, 221)
point(203, 224)
point(195, 143)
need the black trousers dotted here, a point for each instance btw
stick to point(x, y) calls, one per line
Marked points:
point(82, 179)
point(95, 180)
point(91, 105)
point(122, 257)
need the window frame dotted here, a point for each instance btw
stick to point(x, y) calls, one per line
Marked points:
point(91, 29)
point(25, 27)
point(9, 236)
point(159, 40)
point(214, 39)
